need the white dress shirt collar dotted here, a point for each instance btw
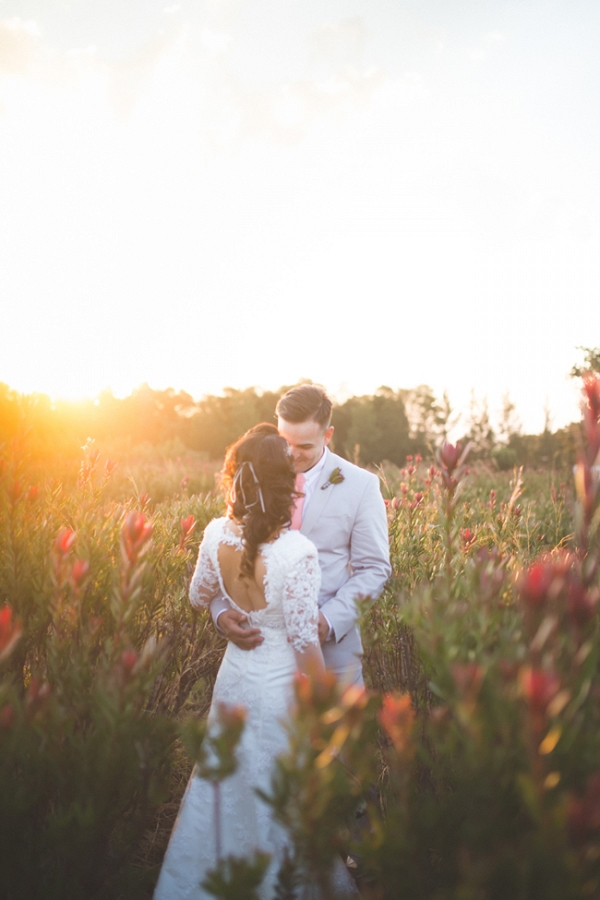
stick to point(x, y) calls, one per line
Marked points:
point(312, 476)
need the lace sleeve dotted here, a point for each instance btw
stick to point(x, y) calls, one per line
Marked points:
point(300, 608)
point(204, 586)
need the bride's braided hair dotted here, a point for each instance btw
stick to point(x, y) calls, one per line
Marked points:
point(259, 477)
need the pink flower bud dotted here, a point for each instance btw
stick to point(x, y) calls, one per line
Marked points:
point(449, 456)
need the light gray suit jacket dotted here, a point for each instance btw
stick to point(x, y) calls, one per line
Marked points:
point(348, 525)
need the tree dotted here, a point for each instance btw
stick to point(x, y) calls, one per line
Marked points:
point(480, 433)
point(591, 362)
point(375, 424)
point(509, 423)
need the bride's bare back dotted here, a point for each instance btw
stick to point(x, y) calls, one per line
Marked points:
point(248, 594)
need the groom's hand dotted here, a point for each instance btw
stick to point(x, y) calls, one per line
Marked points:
point(324, 628)
point(232, 624)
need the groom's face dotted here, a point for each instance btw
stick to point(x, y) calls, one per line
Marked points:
point(307, 440)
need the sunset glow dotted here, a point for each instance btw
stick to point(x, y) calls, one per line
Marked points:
point(203, 194)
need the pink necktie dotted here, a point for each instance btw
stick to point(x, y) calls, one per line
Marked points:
point(298, 502)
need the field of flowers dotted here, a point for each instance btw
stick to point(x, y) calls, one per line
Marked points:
point(475, 752)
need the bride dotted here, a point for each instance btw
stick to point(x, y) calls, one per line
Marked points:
point(270, 574)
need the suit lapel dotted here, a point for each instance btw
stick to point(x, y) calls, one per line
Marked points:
point(320, 498)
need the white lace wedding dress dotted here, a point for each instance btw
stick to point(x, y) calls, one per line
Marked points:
point(260, 680)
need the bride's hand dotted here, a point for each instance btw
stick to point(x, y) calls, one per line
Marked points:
point(231, 623)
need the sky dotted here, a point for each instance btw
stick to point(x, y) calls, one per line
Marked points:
point(213, 193)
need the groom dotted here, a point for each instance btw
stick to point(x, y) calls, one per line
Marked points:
point(343, 514)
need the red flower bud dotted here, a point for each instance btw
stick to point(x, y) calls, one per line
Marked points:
point(534, 584)
point(64, 541)
point(7, 716)
point(583, 813)
point(135, 534)
point(37, 693)
point(187, 526)
point(539, 687)
point(468, 537)
point(397, 718)
point(581, 604)
point(128, 660)
point(508, 669)
point(10, 632)
point(79, 572)
point(468, 679)
point(591, 391)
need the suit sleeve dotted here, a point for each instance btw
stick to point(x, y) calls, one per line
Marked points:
point(369, 561)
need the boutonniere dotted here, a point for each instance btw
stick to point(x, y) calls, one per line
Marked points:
point(336, 477)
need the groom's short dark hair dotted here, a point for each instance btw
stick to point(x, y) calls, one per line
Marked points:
point(307, 401)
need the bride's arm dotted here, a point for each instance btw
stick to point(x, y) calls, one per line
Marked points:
point(310, 661)
point(301, 611)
